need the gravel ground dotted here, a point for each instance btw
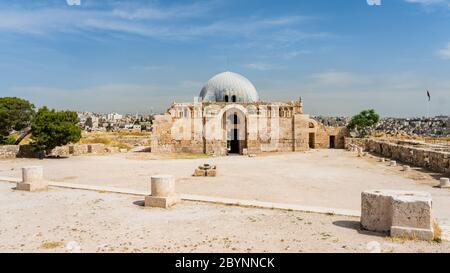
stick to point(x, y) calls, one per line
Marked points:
point(324, 178)
point(63, 220)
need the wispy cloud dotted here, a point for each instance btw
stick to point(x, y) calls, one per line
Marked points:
point(431, 5)
point(149, 21)
point(336, 79)
point(262, 66)
point(444, 53)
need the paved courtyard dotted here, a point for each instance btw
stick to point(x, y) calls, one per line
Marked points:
point(324, 178)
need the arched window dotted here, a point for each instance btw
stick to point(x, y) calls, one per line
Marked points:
point(226, 98)
point(233, 98)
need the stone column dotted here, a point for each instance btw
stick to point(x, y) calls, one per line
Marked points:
point(162, 192)
point(32, 179)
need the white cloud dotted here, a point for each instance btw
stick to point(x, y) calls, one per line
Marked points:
point(262, 66)
point(336, 78)
point(444, 53)
point(148, 21)
point(73, 2)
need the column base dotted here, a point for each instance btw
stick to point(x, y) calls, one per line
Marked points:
point(35, 186)
point(161, 202)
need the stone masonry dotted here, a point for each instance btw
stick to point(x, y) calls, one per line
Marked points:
point(401, 213)
point(411, 153)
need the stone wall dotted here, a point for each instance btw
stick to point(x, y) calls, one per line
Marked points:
point(25, 151)
point(9, 151)
point(412, 153)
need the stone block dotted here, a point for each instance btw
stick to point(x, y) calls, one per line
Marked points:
point(61, 151)
point(78, 149)
point(444, 182)
point(376, 213)
point(199, 172)
point(32, 179)
point(412, 209)
point(393, 163)
point(412, 233)
point(112, 149)
point(96, 148)
point(211, 172)
point(161, 202)
point(402, 213)
point(406, 168)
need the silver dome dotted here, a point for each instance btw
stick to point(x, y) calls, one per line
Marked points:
point(229, 84)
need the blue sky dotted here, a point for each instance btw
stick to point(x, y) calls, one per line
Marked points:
point(139, 56)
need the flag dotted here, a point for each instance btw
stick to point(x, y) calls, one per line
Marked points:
point(429, 95)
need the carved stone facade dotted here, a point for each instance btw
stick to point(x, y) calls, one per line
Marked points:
point(229, 118)
point(221, 128)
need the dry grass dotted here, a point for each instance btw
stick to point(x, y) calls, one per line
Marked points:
point(109, 139)
point(51, 245)
point(437, 233)
point(116, 134)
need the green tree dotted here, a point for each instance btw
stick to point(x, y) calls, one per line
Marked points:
point(361, 123)
point(51, 128)
point(15, 115)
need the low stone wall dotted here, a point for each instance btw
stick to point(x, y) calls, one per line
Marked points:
point(25, 151)
point(412, 153)
point(9, 151)
point(96, 148)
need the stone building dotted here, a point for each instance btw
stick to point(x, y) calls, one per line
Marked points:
point(228, 117)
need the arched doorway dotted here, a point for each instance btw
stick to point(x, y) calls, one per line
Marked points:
point(235, 127)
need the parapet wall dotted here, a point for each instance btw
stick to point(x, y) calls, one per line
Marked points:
point(412, 153)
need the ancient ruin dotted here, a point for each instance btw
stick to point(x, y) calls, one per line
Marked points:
point(229, 118)
point(162, 192)
point(32, 179)
point(206, 170)
point(401, 213)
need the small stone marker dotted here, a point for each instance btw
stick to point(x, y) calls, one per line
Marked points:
point(383, 160)
point(162, 192)
point(199, 172)
point(393, 163)
point(404, 214)
point(406, 168)
point(444, 182)
point(206, 170)
point(32, 179)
